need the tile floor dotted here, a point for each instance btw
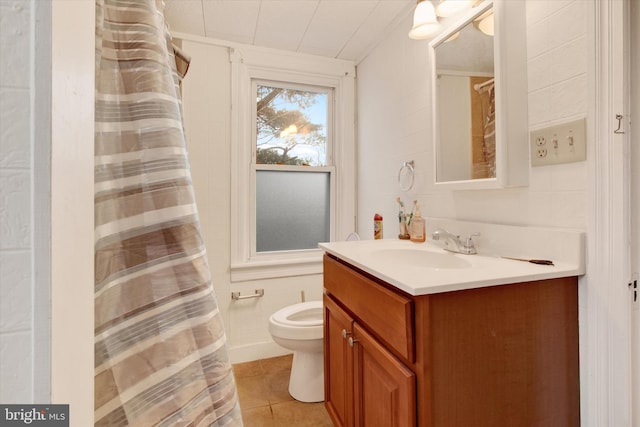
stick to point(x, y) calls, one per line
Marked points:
point(264, 399)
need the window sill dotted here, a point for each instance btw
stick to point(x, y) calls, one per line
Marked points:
point(274, 268)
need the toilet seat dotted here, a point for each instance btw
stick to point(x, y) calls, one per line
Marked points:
point(300, 315)
point(302, 321)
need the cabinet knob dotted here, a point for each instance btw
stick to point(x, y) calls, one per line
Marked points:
point(352, 341)
point(345, 333)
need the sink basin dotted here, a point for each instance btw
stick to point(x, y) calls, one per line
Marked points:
point(420, 258)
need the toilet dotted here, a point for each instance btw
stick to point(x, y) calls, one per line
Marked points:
point(298, 328)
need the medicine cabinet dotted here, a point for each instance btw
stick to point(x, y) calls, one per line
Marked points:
point(479, 99)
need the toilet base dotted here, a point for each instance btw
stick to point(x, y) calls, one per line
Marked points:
point(306, 383)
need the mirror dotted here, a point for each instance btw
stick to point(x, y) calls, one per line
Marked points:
point(480, 98)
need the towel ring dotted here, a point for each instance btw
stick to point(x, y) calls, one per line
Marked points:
point(405, 176)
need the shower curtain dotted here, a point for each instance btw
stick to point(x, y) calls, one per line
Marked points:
point(160, 346)
point(487, 167)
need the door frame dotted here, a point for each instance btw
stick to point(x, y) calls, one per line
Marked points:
point(72, 193)
point(606, 370)
point(634, 48)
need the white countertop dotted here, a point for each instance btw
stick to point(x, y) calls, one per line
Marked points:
point(425, 268)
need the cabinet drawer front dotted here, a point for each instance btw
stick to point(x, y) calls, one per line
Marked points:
point(386, 314)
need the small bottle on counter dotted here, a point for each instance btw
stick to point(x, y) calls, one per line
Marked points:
point(417, 228)
point(377, 226)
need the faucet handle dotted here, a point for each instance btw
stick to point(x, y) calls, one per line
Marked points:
point(469, 244)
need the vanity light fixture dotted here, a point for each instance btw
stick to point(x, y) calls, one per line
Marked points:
point(485, 23)
point(425, 23)
point(446, 8)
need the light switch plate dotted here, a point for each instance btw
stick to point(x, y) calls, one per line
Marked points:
point(563, 143)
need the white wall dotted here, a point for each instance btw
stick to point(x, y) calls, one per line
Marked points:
point(24, 202)
point(394, 125)
point(455, 109)
point(16, 326)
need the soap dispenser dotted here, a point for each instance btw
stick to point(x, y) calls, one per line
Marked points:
point(417, 228)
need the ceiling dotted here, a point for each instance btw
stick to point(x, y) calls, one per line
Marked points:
point(344, 29)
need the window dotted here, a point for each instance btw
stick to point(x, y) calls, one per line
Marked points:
point(292, 161)
point(292, 166)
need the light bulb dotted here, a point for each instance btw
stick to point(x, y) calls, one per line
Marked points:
point(486, 25)
point(448, 8)
point(425, 23)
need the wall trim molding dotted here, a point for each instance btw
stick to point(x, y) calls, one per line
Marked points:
point(256, 351)
point(41, 193)
point(72, 208)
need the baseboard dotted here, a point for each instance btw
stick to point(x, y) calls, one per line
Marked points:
point(249, 353)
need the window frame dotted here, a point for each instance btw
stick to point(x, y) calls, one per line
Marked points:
point(255, 167)
point(249, 66)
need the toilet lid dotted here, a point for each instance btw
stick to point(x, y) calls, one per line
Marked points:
point(304, 314)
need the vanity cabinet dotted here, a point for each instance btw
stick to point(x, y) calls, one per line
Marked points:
point(491, 356)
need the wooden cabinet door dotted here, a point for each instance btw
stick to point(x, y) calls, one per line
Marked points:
point(338, 364)
point(385, 389)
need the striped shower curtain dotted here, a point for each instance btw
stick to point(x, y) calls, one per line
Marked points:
point(160, 346)
point(486, 167)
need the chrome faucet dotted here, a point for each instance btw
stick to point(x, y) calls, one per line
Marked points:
point(453, 243)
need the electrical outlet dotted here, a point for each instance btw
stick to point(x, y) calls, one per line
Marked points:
point(563, 143)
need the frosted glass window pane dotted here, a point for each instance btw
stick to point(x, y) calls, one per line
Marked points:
point(292, 210)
